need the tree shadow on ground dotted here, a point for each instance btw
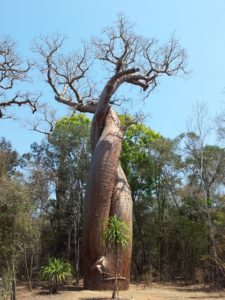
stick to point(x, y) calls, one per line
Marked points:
point(68, 288)
point(76, 288)
point(208, 297)
point(182, 287)
point(102, 298)
point(194, 288)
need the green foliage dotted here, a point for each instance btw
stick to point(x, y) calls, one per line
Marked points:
point(136, 141)
point(116, 234)
point(58, 170)
point(76, 120)
point(117, 237)
point(152, 166)
point(69, 132)
point(8, 158)
point(187, 244)
point(6, 284)
point(135, 155)
point(56, 272)
point(17, 227)
point(16, 223)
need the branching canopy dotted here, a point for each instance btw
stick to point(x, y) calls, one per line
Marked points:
point(128, 57)
point(13, 70)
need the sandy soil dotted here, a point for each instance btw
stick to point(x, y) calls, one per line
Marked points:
point(136, 292)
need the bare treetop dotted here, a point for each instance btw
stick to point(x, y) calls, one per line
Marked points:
point(130, 58)
point(13, 70)
point(119, 46)
point(66, 74)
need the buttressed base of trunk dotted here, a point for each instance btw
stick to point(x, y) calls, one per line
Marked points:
point(107, 194)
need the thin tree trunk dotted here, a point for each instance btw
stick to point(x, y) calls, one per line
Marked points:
point(115, 294)
point(13, 295)
point(27, 271)
point(76, 253)
point(30, 271)
point(162, 238)
point(69, 244)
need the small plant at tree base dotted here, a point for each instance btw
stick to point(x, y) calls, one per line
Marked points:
point(116, 236)
point(56, 272)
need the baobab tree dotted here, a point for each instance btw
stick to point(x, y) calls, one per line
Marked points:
point(12, 71)
point(129, 59)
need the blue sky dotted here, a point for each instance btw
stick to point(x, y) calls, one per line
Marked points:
point(198, 24)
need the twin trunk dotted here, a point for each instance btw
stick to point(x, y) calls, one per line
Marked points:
point(107, 194)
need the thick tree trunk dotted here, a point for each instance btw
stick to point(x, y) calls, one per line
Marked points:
point(107, 194)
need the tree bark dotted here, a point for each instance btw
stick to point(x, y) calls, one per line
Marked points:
point(107, 194)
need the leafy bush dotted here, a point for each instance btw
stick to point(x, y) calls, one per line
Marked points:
point(56, 272)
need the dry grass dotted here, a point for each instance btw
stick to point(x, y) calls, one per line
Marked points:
point(136, 292)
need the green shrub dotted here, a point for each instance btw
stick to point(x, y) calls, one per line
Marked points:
point(56, 272)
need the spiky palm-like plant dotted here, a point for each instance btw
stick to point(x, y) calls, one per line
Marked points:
point(116, 235)
point(56, 272)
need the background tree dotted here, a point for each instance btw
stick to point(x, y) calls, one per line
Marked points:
point(205, 165)
point(57, 182)
point(12, 71)
point(16, 222)
point(153, 167)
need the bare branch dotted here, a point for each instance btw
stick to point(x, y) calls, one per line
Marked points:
point(129, 57)
point(64, 73)
point(21, 99)
point(11, 66)
point(119, 47)
point(47, 117)
point(27, 99)
point(131, 120)
point(123, 50)
point(12, 70)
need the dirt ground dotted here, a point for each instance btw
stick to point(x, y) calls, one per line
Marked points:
point(136, 292)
